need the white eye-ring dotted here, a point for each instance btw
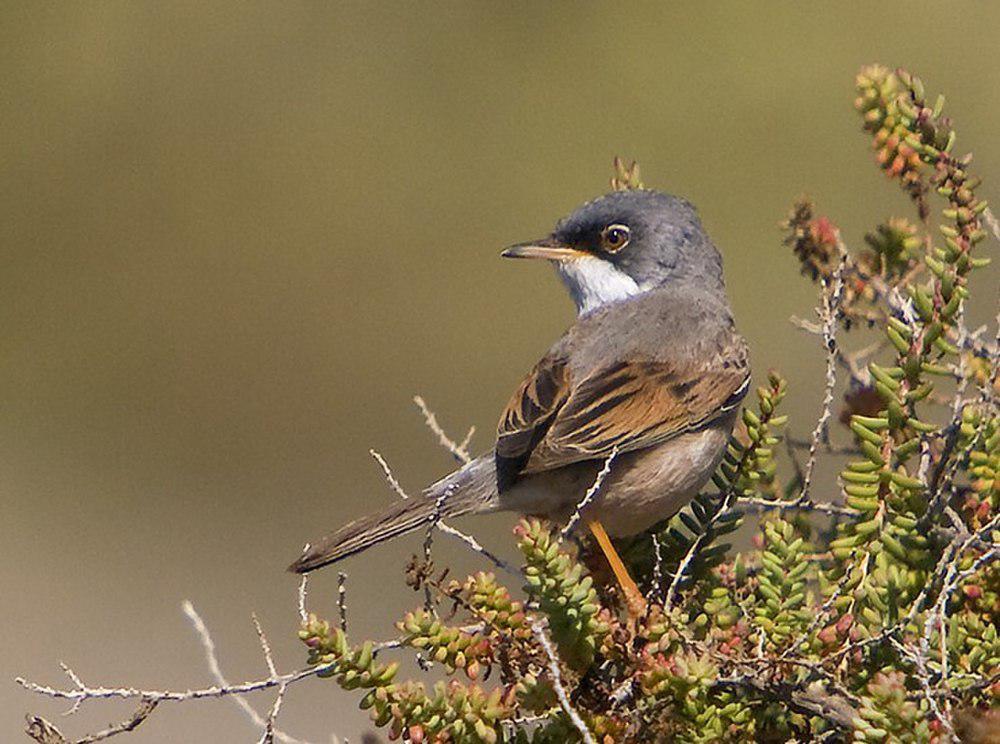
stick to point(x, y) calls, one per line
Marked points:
point(615, 237)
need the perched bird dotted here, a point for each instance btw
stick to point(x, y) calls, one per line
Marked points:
point(652, 372)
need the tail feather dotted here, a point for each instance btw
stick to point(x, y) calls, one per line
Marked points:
point(470, 490)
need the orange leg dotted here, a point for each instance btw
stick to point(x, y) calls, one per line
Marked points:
point(634, 600)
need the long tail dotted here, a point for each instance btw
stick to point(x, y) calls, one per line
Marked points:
point(469, 490)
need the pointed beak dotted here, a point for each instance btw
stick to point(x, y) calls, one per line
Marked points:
point(547, 248)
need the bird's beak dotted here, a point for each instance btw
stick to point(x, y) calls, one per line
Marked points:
point(547, 248)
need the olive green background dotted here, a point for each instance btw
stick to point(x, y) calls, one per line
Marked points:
point(237, 238)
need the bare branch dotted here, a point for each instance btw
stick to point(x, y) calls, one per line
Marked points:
point(470, 542)
point(557, 683)
point(44, 732)
point(428, 542)
point(812, 700)
point(303, 590)
point(75, 679)
point(265, 646)
point(832, 295)
point(761, 504)
point(590, 494)
point(387, 472)
point(216, 671)
point(458, 451)
point(919, 660)
point(657, 566)
point(269, 732)
point(467, 439)
point(342, 599)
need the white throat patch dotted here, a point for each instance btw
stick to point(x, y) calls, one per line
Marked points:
point(593, 282)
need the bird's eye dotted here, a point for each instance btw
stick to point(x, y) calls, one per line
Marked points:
point(615, 237)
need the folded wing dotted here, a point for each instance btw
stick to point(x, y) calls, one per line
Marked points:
point(553, 420)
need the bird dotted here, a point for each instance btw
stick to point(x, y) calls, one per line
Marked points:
point(647, 382)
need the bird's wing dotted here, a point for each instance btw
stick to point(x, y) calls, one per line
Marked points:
point(554, 421)
point(529, 415)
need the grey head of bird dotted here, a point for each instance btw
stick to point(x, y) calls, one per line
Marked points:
point(626, 243)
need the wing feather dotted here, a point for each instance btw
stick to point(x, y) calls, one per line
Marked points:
point(528, 415)
point(553, 420)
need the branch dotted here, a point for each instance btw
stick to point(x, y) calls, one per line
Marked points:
point(812, 700)
point(458, 450)
point(760, 504)
point(470, 542)
point(557, 683)
point(216, 671)
point(45, 733)
point(150, 699)
point(832, 297)
point(590, 495)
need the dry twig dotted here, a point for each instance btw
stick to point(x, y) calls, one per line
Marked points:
point(590, 495)
point(470, 542)
point(458, 450)
point(557, 683)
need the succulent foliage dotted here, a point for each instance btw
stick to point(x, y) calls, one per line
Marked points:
point(876, 621)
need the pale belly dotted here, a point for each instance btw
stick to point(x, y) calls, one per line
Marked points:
point(642, 488)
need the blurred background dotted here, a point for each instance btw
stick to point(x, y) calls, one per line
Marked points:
point(237, 238)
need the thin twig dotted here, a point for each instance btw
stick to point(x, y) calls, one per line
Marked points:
point(387, 472)
point(204, 693)
point(149, 699)
point(923, 677)
point(45, 733)
point(342, 599)
point(657, 566)
point(216, 671)
point(467, 439)
point(428, 543)
point(265, 646)
point(590, 494)
point(75, 679)
point(458, 451)
point(832, 295)
point(303, 591)
point(470, 542)
point(176, 696)
point(824, 611)
point(269, 733)
point(761, 504)
point(557, 683)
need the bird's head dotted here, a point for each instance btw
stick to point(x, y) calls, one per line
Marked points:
point(625, 243)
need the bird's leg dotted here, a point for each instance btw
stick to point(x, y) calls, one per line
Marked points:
point(634, 600)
